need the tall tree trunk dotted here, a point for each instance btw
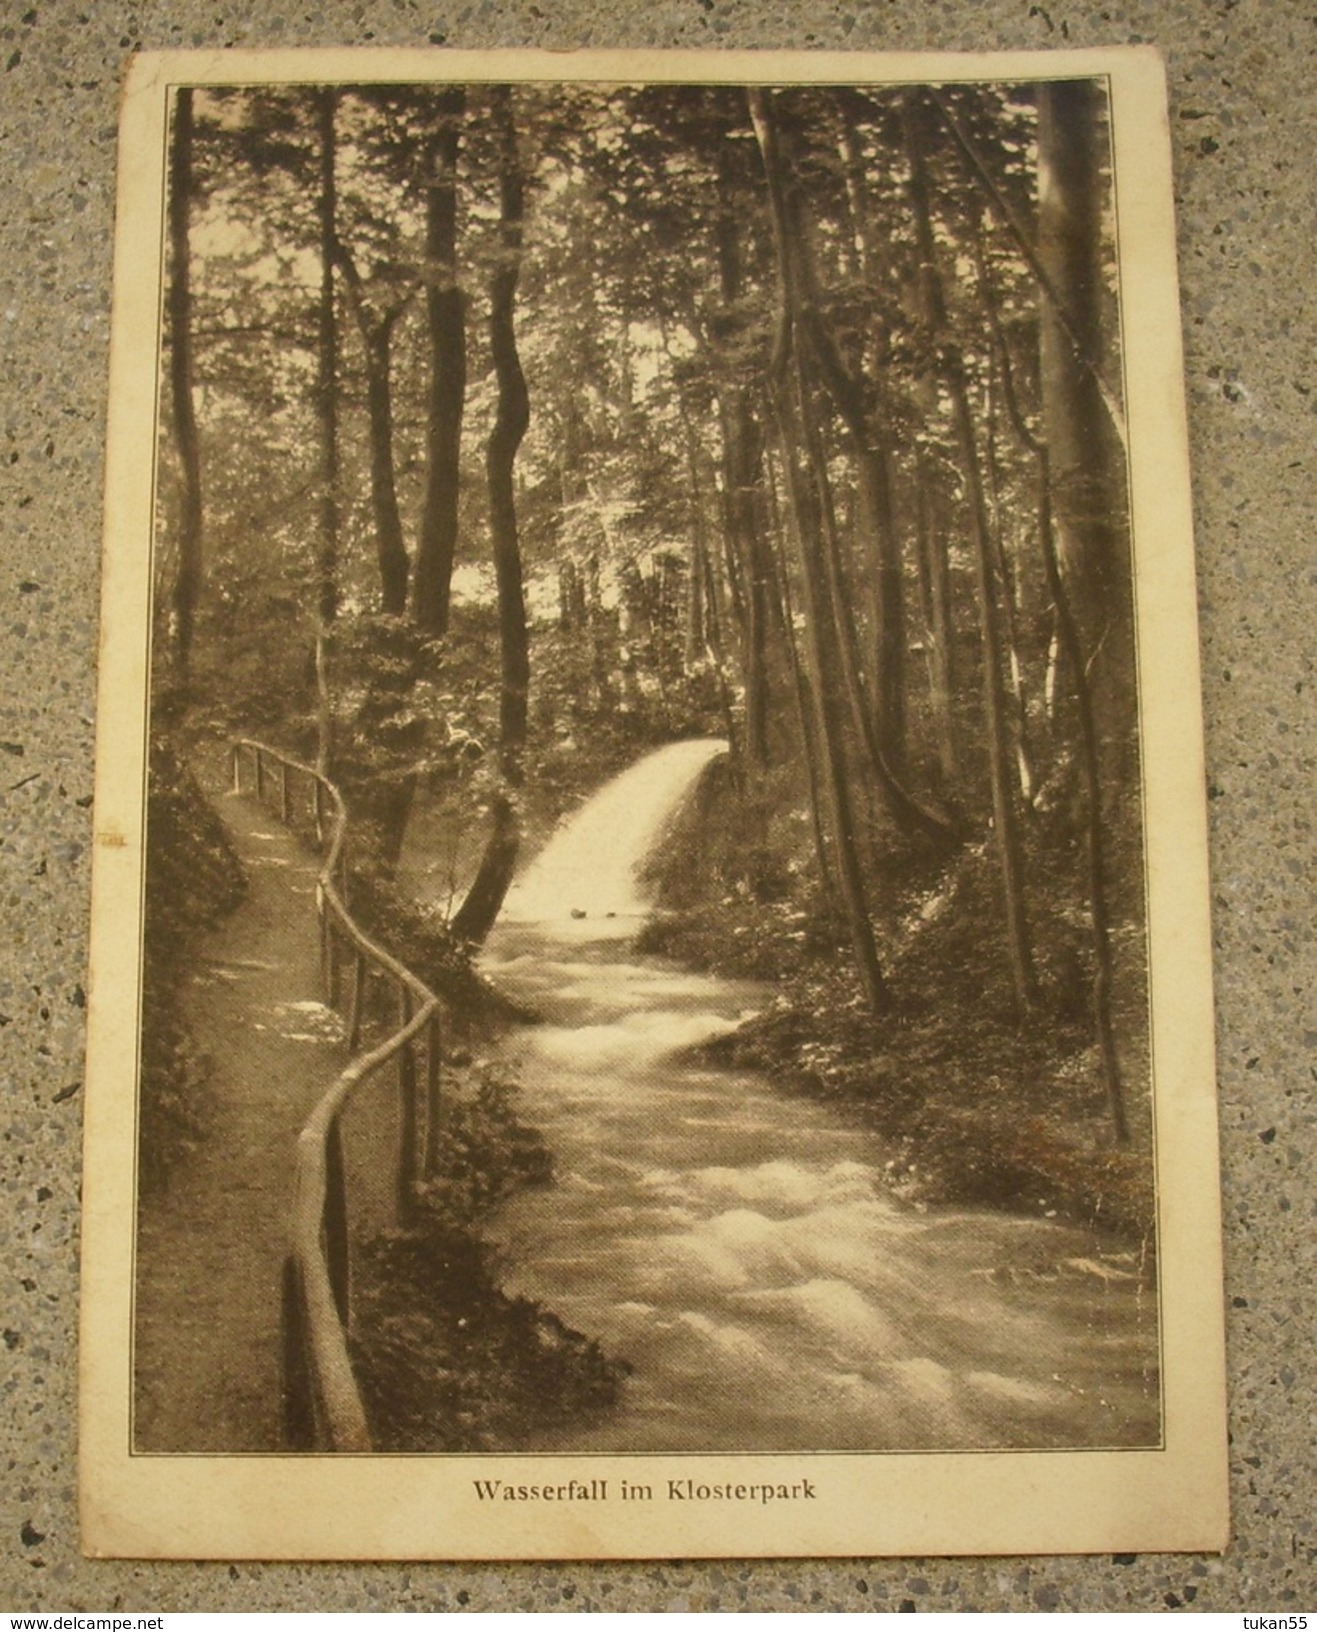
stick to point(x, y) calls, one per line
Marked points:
point(743, 458)
point(477, 913)
point(889, 638)
point(326, 397)
point(828, 689)
point(861, 402)
point(446, 317)
point(326, 400)
point(939, 623)
point(804, 711)
point(1004, 819)
point(1018, 708)
point(391, 548)
point(376, 332)
point(1084, 449)
point(1099, 915)
point(733, 564)
point(1067, 639)
point(1005, 822)
point(187, 584)
point(1090, 361)
point(742, 466)
point(792, 402)
point(877, 516)
point(694, 650)
point(712, 598)
point(805, 330)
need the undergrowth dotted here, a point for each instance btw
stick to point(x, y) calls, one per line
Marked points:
point(417, 934)
point(976, 1106)
point(194, 878)
point(447, 1360)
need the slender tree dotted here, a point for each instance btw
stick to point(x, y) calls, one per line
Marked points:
point(446, 322)
point(1004, 814)
point(742, 441)
point(1094, 824)
point(1083, 433)
point(326, 404)
point(814, 348)
point(939, 621)
point(375, 324)
point(862, 400)
point(478, 911)
point(326, 390)
point(793, 392)
point(187, 584)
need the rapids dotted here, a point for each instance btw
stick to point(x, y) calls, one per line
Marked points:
point(737, 1245)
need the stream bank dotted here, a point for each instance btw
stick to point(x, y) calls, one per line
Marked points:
point(448, 1360)
point(974, 1107)
point(900, 1258)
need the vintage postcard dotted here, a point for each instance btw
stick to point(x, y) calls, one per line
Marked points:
point(651, 975)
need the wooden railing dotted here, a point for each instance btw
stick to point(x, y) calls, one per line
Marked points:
point(323, 1409)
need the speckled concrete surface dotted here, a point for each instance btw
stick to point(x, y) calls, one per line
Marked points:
point(1243, 104)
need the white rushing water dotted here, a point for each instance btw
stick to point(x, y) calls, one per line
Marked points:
point(737, 1245)
point(587, 873)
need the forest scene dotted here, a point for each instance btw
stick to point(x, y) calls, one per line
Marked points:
point(687, 526)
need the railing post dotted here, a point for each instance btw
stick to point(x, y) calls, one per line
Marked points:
point(338, 1259)
point(358, 993)
point(237, 767)
point(283, 792)
point(331, 954)
point(433, 1041)
point(260, 774)
point(299, 1413)
point(407, 1131)
point(318, 799)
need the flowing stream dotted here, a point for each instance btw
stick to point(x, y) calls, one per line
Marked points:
point(737, 1244)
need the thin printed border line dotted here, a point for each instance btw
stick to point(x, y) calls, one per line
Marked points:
point(168, 89)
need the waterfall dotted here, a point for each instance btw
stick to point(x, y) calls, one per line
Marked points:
point(587, 873)
point(736, 1243)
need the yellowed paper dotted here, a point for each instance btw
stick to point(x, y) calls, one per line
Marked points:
point(803, 1346)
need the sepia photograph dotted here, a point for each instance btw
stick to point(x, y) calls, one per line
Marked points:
point(657, 888)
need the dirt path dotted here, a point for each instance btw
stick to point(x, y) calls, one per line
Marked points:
point(209, 1250)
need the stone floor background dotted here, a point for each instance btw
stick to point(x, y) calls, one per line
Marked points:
point(1243, 113)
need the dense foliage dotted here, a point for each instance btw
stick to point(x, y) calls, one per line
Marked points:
point(515, 429)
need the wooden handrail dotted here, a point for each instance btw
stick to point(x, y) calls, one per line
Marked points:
point(323, 1408)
